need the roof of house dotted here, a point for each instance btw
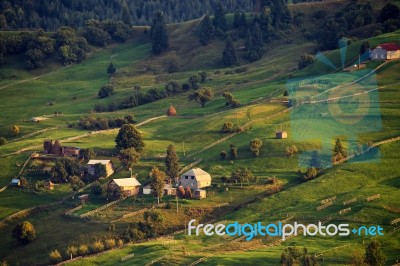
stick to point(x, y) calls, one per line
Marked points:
point(389, 46)
point(104, 162)
point(127, 182)
point(200, 174)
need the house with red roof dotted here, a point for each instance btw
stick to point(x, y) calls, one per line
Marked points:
point(386, 51)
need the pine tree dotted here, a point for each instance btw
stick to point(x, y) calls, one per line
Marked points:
point(229, 55)
point(243, 20)
point(374, 255)
point(172, 162)
point(206, 30)
point(338, 151)
point(258, 40)
point(219, 20)
point(236, 20)
point(111, 68)
point(159, 34)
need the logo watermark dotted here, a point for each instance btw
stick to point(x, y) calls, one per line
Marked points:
point(279, 229)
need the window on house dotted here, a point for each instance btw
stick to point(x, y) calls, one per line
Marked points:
point(192, 177)
point(186, 177)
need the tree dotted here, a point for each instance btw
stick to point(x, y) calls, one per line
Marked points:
point(24, 233)
point(255, 145)
point(389, 11)
point(229, 55)
point(219, 20)
point(113, 192)
point(236, 19)
point(206, 33)
point(157, 183)
point(305, 60)
point(203, 76)
point(129, 157)
point(227, 127)
point(194, 82)
point(87, 154)
point(374, 255)
point(230, 100)
point(154, 217)
point(173, 88)
point(202, 96)
point(76, 183)
point(129, 137)
point(100, 170)
point(365, 47)
point(311, 173)
point(172, 162)
point(181, 192)
point(14, 130)
point(242, 175)
point(111, 68)
point(339, 152)
point(3, 141)
point(106, 91)
point(233, 153)
point(96, 189)
point(159, 34)
point(172, 62)
point(59, 172)
point(71, 251)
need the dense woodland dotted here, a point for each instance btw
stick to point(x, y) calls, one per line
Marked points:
point(51, 15)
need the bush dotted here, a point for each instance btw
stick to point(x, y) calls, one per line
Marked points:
point(24, 233)
point(2, 141)
point(83, 250)
point(106, 91)
point(227, 127)
point(120, 242)
point(55, 256)
point(223, 155)
point(109, 243)
point(311, 173)
point(72, 251)
point(97, 247)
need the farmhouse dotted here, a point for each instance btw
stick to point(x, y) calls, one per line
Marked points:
point(386, 51)
point(92, 167)
point(195, 179)
point(129, 186)
point(281, 135)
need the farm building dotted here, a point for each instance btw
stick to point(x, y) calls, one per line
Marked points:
point(15, 182)
point(84, 198)
point(168, 190)
point(129, 186)
point(56, 149)
point(386, 51)
point(281, 134)
point(92, 168)
point(195, 179)
point(171, 111)
point(199, 194)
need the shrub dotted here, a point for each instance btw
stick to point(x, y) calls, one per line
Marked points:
point(97, 247)
point(109, 243)
point(72, 251)
point(311, 173)
point(24, 233)
point(83, 250)
point(106, 91)
point(223, 155)
point(2, 141)
point(227, 127)
point(55, 256)
point(120, 242)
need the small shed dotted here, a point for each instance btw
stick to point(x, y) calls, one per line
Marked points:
point(84, 198)
point(200, 194)
point(147, 190)
point(15, 182)
point(49, 185)
point(171, 111)
point(281, 134)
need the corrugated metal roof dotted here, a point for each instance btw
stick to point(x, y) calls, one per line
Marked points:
point(389, 46)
